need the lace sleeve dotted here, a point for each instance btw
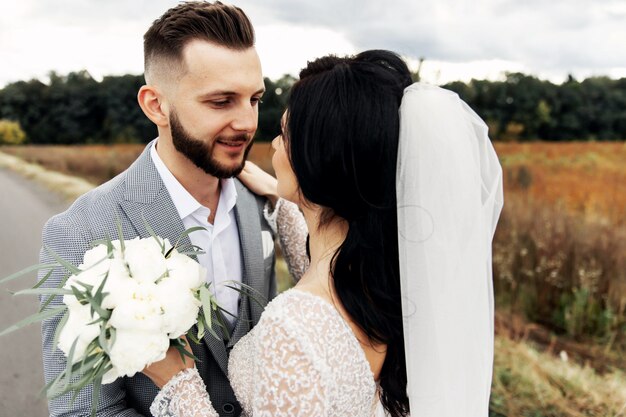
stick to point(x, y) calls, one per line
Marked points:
point(288, 382)
point(287, 221)
point(184, 395)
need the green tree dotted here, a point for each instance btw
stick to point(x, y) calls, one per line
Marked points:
point(124, 121)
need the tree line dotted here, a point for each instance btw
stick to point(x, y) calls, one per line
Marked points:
point(75, 108)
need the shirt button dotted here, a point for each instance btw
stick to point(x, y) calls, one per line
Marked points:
point(228, 408)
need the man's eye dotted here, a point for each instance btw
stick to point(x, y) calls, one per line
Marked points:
point(220, 103)
point(256, 100)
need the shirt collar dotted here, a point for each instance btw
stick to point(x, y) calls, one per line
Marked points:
point(184, 202)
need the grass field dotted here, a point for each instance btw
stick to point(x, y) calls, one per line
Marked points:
point(559, 270)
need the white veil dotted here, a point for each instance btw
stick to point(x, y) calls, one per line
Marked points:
point(449, 192)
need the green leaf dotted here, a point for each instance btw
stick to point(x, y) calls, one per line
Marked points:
point(99, 294)
point(96, 306)
point(192, 252)
point(43, 291)
point(187, 233)
point(34, 318)
point(95, 395)
point(195, 247)
point(200, 325)
point(80, 296)
point(44, 279)
point(179, 344)
point(30, 269)
point(164, 275)
point(194, 338)
point(73, 269)
point(205, 298)
point(151, 231)
point(120, 234)
point(103, 342)
point(49, 299)
point(223, 310)
point(69, 365)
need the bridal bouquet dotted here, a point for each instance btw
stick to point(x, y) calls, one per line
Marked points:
point(123, 307)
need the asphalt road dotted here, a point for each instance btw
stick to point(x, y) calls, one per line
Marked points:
point(24, 208)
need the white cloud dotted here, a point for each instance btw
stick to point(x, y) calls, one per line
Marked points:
point(287, 48)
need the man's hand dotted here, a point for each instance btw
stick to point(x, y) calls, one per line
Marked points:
point(162, 371)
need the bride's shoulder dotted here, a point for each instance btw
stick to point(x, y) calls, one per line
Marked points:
point(302, 312)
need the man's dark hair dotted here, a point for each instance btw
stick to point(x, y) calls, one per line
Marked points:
point(219, 23)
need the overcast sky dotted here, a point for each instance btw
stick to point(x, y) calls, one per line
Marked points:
point(459, 39)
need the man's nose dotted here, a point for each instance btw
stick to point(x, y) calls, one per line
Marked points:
point(246, 119)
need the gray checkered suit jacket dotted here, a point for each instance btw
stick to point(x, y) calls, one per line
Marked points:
point(139, 190)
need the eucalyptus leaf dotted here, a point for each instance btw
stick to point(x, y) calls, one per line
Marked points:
point(33, 318)
point(151, 231)
point(28, 270)
point(188, 232)
point(120, 233)
point(73, 269)
point(43, 291)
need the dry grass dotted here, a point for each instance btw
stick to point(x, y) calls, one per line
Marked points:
point(585, 178)
point(530, 383)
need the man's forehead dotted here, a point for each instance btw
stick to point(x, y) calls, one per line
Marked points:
point(210, 67)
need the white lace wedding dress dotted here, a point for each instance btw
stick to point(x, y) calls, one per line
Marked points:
point(301, 359)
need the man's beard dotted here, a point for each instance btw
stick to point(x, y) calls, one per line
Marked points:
point(201, 153)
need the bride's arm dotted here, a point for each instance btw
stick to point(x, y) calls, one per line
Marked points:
point(287, 221)
point(183, 393)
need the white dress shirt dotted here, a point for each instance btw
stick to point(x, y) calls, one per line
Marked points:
point(220, 241)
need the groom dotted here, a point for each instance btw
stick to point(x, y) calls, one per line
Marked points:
point(203, 87)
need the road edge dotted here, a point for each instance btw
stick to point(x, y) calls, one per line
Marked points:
point(68, 186)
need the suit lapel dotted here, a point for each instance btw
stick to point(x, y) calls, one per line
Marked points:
point(146, 197)
point(249, 225)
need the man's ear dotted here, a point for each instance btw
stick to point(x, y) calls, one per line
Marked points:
point(154, 105)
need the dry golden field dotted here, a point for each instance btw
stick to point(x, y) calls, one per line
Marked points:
point(587, 178)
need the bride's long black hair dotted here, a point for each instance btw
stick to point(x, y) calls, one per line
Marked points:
point(342, 139)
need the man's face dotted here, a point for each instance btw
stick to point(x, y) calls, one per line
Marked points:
point(213, 109)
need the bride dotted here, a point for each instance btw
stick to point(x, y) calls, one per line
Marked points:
point(401, 191)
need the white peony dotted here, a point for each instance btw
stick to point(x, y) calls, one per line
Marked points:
point(180, 307)
point(119, 284)
point(140, 310)
point(185, 270)
point(134, 350)
point(78, 327)
point(145, 260)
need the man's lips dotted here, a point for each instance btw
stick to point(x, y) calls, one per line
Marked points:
point(232, 143)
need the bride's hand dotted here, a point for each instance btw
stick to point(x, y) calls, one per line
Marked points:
point(162, 371)
point(259, 182)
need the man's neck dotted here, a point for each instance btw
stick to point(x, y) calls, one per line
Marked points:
point(203, 187)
